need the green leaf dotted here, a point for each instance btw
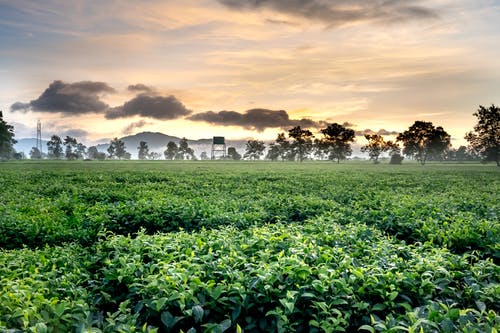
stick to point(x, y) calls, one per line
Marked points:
point(197, 313)
point(367, 328)
point(225, 325)
point(169, 320)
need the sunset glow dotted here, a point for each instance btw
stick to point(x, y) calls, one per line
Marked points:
point(126, 67)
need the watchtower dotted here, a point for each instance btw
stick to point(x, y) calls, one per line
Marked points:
point(218, 147)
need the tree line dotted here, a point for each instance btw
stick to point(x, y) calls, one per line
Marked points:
point(422, 141)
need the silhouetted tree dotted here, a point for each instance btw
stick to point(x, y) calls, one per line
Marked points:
point(184, 152)
point(273, 153)
point(462, 153)
point(18, 155)
point(336, 142)
point(171, 150)
point(80, 151)
point(92, 152)
point(143, 153)
point(376, 146)
point(422, 140)
point(70, 144)
point(233, 154)
point(35, 153)
point(284, 148)
point(302, 143)
point(485, 139)
point(117, 149)
point(55, 147)
point(254, 149)
point(6, 139)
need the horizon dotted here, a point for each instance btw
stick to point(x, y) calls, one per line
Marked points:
point(246, 70)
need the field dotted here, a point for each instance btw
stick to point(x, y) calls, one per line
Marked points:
point(249, 247)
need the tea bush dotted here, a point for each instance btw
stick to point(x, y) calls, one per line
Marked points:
point(278, 247)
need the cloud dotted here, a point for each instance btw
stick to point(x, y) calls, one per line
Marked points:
point(70, 98)
point(75, 133)
point(130, 127)
point(339, 12)
point(379, 132)
point(254, 119)
point(140, 88)
point(158, 107)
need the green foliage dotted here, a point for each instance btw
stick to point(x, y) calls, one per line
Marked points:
point(485, 139)
point(6, 139)
point(254, 149)
point(224, 247)
point(424, 141)
point(336, 142)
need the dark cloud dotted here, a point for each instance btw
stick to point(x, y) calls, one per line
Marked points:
point(75, 132)
point(70, 98)
point(336, 13)
point(140, 88)
point(130, 127)
point(255, 119)
point(158, 107)
point(379, 132)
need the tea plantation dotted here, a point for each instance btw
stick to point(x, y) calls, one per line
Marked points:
point(248, 247)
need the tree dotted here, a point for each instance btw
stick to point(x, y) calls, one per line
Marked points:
point(203, 155)
point(117, 149)
point(284, 148)
point(336, 142)
point(171, 150)
point(184, 152)
point(80, 151)
point(422, 140)
point(54, 147)
point(233, 154)
point(485, 139)
point(154, 156)
point(273, 153)
point(6, 139)
point(92, 153)
point(376, 146)
point(302, 142)
point(19, 155)
point(35, 153)
point(70, 144)
point(254, 149)
point(143, 153)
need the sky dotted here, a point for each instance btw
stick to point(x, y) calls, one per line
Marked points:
point(246, 68)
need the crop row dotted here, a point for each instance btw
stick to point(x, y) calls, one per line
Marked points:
point(457, 209)
point(311, 277)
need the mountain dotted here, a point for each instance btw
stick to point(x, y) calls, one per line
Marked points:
point(157, 142)
point(24, 145)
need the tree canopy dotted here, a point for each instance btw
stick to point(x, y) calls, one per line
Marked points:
point(302, 143)
point(143, 148)
point(336, 142)
point(254, 149)
point(376, 146)
point(485, 139)
point(7, 140)
point(54, 147)
point(422, 140)
point(117, 149)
